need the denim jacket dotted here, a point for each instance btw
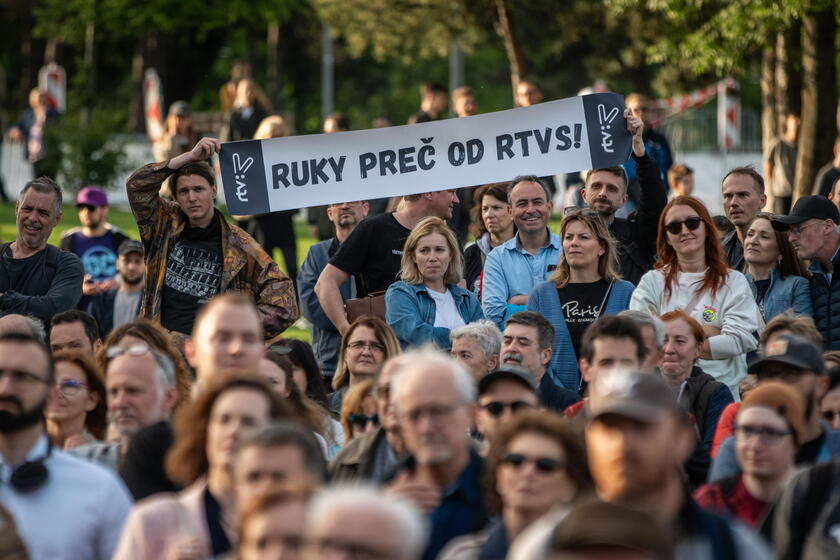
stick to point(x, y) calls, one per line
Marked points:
point(789, 292)
point(410, 311)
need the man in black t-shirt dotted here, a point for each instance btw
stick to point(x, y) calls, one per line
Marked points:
point(373, 251)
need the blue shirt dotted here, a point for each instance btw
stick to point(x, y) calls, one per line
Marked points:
point(461, 510)
point(510, 270)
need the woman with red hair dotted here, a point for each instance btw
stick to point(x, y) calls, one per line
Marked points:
point(691, 274)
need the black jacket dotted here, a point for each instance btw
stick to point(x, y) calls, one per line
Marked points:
point(102, 309)
point(826, 298)
point(636, 234)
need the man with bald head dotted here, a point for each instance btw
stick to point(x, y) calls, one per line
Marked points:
point(434, 402)
point(227, 335)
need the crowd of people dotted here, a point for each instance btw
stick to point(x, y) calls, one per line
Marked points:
point(651, 383)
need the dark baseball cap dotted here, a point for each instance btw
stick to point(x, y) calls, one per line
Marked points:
point(644, 397)
point(812, 207)
point(790, 350)
point(513, 373)
point(130, 246)
point(92, 196)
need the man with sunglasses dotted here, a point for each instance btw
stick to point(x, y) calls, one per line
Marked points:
point(797, 362)
point(637, 440)
point(814, 231)
point(605, 191)
point(95, 242)
point(64, 508)
point(141, 391)
point(501, 394)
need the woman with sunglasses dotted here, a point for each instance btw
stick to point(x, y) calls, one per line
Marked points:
point(358, 412)
point(428, 303)
point(585, 285)
point(768, 431)
point(76, 412)
point(536, 464)
point(778, 277)
point(201, 520)
point(366, 344)
point(691, 274)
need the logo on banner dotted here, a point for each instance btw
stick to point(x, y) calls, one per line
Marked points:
point(239, 169)
point(606, 119)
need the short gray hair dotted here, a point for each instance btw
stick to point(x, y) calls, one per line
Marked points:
point(35, 325)
point(45, 185)
point(645, 319)
point(413, 527)
point(427, 357)
point(164, 370)
point(486, 334)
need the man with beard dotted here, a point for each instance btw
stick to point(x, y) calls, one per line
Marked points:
point(36, 278)
point(325, 337)
point(743, 199)
point(605, 191)
point(637, 439)
point(96, 243)
point(64, 508)
point(527, 342)
point(797, 362)
point(121, 305)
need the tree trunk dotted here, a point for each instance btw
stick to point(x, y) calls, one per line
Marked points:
point(793, 68)
point(136, 120)
point(769, 125)
point(272, 70)
point(819, 97)
point(781, 80)
point(90, 67)
point(516, 60)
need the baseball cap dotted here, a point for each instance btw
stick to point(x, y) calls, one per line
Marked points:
point(130, 246)
point(92, 196)
point(784, 400)
point(791, 350)
point(597, 524)
point(806, 208)
point(181, 108)
point(514, 373)
point(643, 397)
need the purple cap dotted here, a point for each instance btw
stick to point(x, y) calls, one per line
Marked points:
point(92, 196)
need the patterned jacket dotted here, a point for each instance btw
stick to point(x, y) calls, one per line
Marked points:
point(246, 266)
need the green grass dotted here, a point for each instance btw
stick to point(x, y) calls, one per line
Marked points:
point(125, 221)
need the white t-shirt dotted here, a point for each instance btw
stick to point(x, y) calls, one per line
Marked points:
point(446, 313)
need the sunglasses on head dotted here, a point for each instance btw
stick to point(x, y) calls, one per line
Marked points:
point(691, 223)
point(496, 408)
point(544, 465)
point(579, 211)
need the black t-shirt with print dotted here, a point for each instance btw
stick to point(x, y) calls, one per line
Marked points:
point(581, 304)
point(372, 253)
point(193, 275)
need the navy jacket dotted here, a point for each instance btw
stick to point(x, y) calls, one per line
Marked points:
point(826, 298)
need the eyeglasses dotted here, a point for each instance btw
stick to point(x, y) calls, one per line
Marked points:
point(691, 223)
point(371, 345)
point(132, 350)
point(830, 415)
point(579, 211)
point(768, 436)
point(545, 465)
point(496, 408)
point(796, 229)
point(20, 378)
point(362, 420)
point(70, 387)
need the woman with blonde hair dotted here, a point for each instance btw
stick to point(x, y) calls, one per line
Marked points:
point(427, 303)
point(358, 411)
point(366, 345)
point(585, 285)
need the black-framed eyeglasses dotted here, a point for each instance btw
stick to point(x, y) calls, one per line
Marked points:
point(545, 465)
point(372, 345)
point(769, 436)
point(691, 224)
point(70, 387)
point(497, 408)
point(363, 420)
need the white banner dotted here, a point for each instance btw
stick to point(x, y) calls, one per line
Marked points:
point(298, 171)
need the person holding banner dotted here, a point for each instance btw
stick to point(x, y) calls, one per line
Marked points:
point(192, 253)
point(373, 252)
point(428, 303)
point(605, 191)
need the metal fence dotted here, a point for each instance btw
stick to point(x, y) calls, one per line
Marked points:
point(696, 130)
